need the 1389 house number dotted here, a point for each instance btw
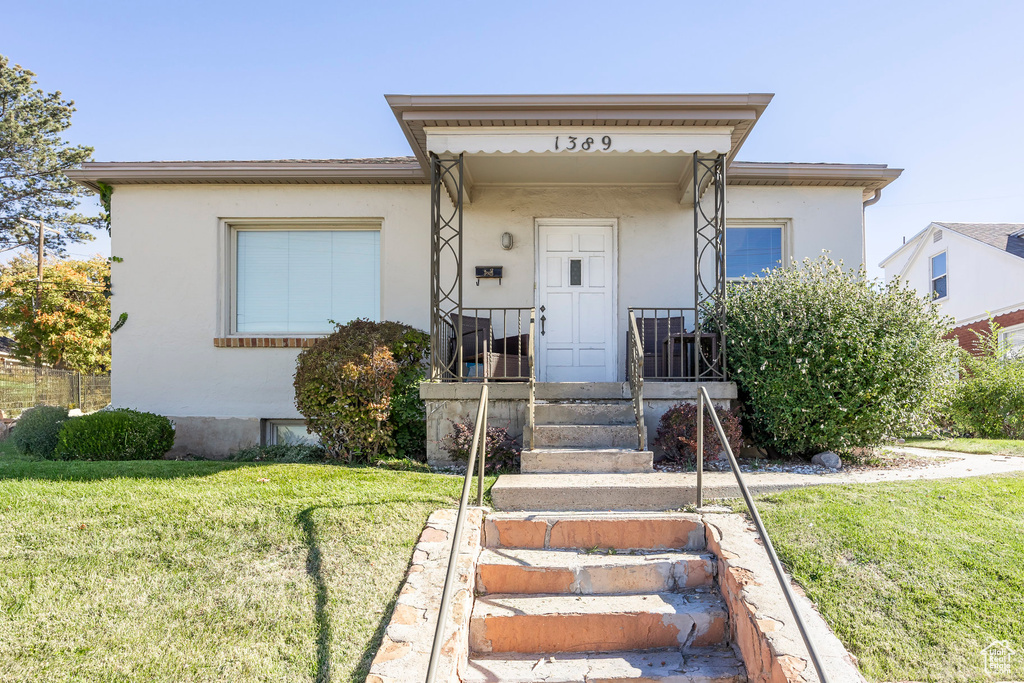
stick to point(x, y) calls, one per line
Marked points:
point(578, 143)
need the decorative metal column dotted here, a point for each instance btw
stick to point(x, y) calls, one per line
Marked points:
point(445, 268)
point(709, 267)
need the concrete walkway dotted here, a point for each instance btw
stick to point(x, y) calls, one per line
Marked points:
point(723, 484)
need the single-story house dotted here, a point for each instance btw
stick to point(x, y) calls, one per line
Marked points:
point(521, 226)
point(974, 271)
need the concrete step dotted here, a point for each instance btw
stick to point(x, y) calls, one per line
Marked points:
point(551, 460)
point(585, 414)
point(601, 530)
point(584, 436)
point(517, 570)
point(699, 665)
point(595, 623)
point(631, 491)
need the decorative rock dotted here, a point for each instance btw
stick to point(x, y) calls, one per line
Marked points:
point(828, 459)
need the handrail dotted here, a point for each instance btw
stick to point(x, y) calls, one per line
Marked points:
point(533, 376)
point(704, 399)
point(479, 442)
point(636, 380)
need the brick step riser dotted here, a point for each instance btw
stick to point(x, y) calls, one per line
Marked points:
point(677, 532)
point(554, 633)
point(655, 577)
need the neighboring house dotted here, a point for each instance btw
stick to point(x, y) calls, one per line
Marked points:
point(7, 352)
point(569, 211)
point(975, 271)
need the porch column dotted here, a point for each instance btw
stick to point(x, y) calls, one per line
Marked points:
point(445, 268)
point(709, 267)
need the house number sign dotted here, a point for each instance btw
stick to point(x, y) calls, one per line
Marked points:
point(580, 143)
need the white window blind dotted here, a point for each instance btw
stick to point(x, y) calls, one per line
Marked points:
point(297, 281)
point(749, 251)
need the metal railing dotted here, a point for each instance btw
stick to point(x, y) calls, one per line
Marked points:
point(479, 443)
point(703, 401)
point(670, 347)
point(26, 386)
point(483, 342)
point(530, 417)
point(635, 358)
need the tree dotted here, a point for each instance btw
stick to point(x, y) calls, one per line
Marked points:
point(33, 158)
point(70, 327)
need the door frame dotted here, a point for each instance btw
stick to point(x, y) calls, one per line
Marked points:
point(612, 223)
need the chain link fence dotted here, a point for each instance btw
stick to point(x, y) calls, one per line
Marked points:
point(22, 387)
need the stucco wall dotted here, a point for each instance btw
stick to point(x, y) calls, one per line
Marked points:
point(981, 278)
point(172, 280)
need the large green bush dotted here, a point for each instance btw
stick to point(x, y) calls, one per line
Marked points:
point(988, 401)
point(358, 390)
point(36, 431)
point(115, 435)
point(828, 360)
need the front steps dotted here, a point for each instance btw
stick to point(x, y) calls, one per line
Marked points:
point(589, 491)
point(578, 598)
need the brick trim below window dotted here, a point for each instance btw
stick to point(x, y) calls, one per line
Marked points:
point(264, 342)
point(965, 337)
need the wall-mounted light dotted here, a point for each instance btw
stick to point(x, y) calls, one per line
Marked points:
point(506, 241)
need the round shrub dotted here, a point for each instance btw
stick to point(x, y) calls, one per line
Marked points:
point(988, 401)
point(358, 389)
point(500, 449)
point(826, 359)
point(36, 431)
point(115, 435)
point(677, 433)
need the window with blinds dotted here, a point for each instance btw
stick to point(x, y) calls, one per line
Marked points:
point(297, 281)
point(751, 250)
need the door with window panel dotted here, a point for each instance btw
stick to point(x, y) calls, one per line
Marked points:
point(576, 304)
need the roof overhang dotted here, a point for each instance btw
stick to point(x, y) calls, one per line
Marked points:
point(870, 178)
point(398, 170)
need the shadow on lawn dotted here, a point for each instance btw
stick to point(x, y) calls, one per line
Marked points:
point(59, 470)
point(321, 617)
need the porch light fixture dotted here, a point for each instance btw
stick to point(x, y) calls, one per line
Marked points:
point(507, 241)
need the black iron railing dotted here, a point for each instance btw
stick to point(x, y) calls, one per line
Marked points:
point(704, 401)
point(672, 349)
point(477, 343)
point(635, 359)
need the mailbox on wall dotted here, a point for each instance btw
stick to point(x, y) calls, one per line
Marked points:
point(488, 273)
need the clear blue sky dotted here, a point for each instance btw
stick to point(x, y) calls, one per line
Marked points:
point(934, 87)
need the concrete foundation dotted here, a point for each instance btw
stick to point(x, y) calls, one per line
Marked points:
point(213, 437)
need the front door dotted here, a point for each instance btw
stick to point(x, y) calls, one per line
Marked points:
point(576, 303)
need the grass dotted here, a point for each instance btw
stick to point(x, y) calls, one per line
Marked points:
point(202, 571)
point(915, 578)
point(979, 446)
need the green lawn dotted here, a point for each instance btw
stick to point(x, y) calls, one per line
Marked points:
point(982, 446)
point(915, 578)
point(202, 571)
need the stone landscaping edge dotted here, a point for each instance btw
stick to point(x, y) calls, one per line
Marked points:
point(760, 622)
point(404, 652)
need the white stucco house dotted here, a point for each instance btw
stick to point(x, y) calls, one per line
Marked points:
point(576, 213)
point(974, 271)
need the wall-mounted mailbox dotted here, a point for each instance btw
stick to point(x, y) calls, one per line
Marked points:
point(488, 273)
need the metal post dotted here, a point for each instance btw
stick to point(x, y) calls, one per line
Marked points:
point(709, 243)
point(700, 447)
point(445, 268)
point(483, 455)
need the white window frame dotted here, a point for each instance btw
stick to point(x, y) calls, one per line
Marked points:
point(270, 429)
point(932, 278)
point(229, 229)
point(785, 224)
point(1004, 339)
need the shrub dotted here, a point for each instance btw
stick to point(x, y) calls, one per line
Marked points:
point(677, 433)
point(349, 384)
point(826, 359)
point(35, 432)
point(115, 435)
point(502, 451)
point(988, 401)
point(280, 453)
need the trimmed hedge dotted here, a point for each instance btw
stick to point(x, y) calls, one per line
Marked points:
point(37, 430)
point(115, 435)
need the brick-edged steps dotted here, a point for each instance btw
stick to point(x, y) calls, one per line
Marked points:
point(586, 597)
point(710, 665)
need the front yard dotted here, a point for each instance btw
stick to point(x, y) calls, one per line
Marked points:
point(980, 446)
point(202, 571)
point(915, 578)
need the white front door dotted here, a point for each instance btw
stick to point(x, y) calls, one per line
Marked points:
point(576, 302)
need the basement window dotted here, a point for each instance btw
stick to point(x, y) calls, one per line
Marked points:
point(288, 433)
